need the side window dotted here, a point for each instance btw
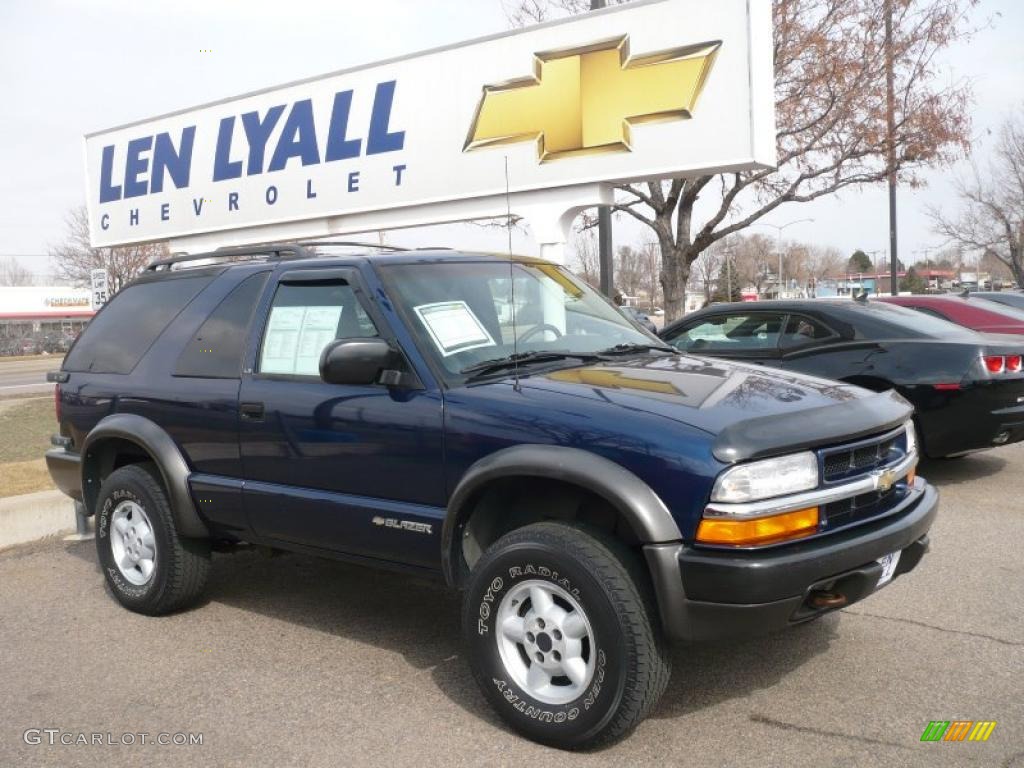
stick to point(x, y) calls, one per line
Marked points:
point(745, 332)
point(803, 331)
point(305, 318)
point(215, 351)
point(117, 338)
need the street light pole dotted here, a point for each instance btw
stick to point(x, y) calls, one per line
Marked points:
point(604, 225)
point(778, 228)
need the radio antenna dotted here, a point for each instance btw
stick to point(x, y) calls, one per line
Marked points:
point(511, 283)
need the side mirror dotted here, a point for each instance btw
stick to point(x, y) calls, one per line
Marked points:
point(355, 361)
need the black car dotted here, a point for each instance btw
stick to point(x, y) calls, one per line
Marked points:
point(967, 388)
point(590, 491)
point(1013, 299)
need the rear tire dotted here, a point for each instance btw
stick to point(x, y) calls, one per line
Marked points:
point(563, 635)
point(149, 567)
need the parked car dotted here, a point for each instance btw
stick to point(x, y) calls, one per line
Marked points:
point(639, 318)
point(967, 389)
point(591, 492)
point(1013, 299)
point(28, 346)
point(977, 314)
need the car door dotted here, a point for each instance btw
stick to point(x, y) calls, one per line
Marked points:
point(751, 335)
point(356, 469)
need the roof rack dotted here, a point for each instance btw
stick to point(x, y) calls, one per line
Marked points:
point(270, 251)
point(355, 244)
point(277, 251)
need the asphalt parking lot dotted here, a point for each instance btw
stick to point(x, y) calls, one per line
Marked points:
point(298, 661)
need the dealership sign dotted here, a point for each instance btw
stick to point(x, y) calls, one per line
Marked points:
point(554, 115)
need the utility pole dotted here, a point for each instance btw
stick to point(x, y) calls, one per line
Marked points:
point(604, 225)
point(890, 108)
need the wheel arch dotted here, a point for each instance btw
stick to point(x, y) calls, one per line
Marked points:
point(124, 438)
point(633, 502)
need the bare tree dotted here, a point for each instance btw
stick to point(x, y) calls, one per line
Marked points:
point(830, 90)
point(650, 262)
point(991, 219)
point(13, 273)
point(588, 259)
point(824, 261)
point(629, 274)
point(996, 268)
point(707, 268)
point(75, 258)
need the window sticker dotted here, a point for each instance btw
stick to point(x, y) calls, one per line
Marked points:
point(453, 327)
point(295, 338)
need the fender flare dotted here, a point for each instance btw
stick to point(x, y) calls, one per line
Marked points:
point(638, 504)
point(168, 458)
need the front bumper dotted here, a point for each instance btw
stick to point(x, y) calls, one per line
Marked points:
point(705, 594)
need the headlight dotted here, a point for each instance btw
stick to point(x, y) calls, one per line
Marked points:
point(768, 478)
point(911, 439)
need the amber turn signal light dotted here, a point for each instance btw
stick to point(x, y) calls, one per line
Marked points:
point(762, 530)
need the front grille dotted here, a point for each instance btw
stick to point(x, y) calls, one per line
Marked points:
point(847, 462)
point(859, 508)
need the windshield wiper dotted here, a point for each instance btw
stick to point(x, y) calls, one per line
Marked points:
point(510, 361)
point(629, 349)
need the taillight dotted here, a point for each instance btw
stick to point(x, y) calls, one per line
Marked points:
point(56, 401)
point(995, 363)
point(1013, 364)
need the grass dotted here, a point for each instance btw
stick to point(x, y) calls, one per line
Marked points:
point(25, 428)
point(20, 477)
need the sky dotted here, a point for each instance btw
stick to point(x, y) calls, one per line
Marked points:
point(69, 67)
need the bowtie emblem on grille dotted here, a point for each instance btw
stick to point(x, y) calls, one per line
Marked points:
point(885, 480)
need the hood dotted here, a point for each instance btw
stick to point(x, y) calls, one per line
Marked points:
point(754, 411)
point(702, 392)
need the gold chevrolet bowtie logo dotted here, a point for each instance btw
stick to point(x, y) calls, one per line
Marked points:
point(584, 100)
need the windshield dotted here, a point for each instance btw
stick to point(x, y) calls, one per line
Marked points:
point(1005, 310)
point(1015, 300)
point(913, 321)
point(465, 313)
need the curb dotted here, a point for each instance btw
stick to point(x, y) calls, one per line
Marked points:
point(34, 516)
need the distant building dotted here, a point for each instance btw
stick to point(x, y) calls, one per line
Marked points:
point(40, 311)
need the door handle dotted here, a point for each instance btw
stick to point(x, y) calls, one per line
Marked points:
point(252, 411)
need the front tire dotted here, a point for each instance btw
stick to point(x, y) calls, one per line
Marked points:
point(563, 636)
point(149, 567)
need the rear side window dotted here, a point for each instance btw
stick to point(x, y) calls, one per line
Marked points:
point(117, 338)
point(215, 352)
point(802, 331)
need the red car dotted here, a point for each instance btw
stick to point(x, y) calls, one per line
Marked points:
point(977, 314)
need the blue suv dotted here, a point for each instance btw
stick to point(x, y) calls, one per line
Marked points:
point(494, 422)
